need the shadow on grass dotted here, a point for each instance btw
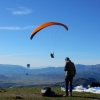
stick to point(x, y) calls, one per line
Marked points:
point(85, 97)
point(88, 97)
point(55, 96)
point(58, 95)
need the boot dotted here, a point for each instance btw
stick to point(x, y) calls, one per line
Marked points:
point(65, 95)
point(70, 94)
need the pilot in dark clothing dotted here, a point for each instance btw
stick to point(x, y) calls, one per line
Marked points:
point(52, 55)
point(70, 72)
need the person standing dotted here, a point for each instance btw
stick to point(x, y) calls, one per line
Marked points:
point(70, 72)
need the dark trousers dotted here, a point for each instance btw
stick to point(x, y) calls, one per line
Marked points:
point(68, 81)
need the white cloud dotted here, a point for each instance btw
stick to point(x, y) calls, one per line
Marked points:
point(15, 27)
point(20, 11)
point(18, 54)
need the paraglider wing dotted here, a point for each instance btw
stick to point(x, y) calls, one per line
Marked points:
point(40, 27)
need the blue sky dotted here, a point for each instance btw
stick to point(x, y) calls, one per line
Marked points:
point(18, 18)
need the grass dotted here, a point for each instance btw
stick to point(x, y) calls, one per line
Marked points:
point(34, 94)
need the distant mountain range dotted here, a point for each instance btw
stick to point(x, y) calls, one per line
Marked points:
point(16, 75)
point(83, 71)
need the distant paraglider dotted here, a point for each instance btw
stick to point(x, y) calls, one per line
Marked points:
point(52, 55)
point(44, 25)
point(26, 73)
point(28, 66)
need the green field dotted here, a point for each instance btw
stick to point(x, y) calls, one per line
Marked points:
point(34, 94)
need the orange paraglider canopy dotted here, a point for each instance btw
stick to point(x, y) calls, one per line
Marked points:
point(46, 24)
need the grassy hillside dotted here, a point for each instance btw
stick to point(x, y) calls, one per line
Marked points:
point(34, 94)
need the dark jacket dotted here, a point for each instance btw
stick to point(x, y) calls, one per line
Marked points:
point(70, 68)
